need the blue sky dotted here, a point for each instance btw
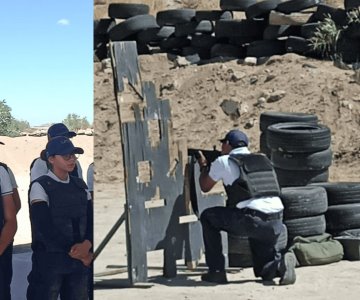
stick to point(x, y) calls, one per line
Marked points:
point(46, 69)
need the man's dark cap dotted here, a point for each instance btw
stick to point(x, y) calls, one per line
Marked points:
point(236, 138)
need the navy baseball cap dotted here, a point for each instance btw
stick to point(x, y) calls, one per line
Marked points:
point(61, 145)
point(236, 138)
point(59, 129)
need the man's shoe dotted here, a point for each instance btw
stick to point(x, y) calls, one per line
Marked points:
point(216, 277)
point(287, 269)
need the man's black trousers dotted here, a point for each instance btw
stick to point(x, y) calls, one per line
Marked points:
point(263, 234)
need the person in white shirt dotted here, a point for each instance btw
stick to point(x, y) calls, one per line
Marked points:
point(8, 227)
point(259, 217)
point(39, 166)
point(62, 227)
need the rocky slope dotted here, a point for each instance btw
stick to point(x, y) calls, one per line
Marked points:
point(209, 100)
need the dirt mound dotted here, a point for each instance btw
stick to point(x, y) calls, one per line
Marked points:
point(209, 100)
point(197, 95)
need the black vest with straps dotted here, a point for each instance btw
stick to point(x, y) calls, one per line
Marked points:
point(257, 179)
point(68, 209)
point(2, 220)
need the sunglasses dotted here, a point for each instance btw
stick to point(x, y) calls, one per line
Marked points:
point(70, 156)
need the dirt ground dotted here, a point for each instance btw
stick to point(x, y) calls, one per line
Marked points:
point(328, 282)
point(196, 94)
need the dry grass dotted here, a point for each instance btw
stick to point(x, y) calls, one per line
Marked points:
point(325, 38)
point(353, 16)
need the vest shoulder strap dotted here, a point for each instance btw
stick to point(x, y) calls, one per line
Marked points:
point(79, 182)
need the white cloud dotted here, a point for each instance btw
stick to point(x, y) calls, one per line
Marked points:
point(63, 22)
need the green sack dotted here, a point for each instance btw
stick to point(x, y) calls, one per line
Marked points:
point(317, 250)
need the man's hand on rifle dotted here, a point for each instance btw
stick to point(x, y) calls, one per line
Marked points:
point(202, 162)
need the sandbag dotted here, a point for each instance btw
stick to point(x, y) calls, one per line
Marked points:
point(317, 250)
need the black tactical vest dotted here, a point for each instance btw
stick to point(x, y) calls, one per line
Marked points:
point(68, 209)
point(257, 179)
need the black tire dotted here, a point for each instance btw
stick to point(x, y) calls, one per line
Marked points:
point(266, 48)
point(342, 217)
point(239, 28)
point(194, 27)
point(308, 30)
point(175, 16)
point(308, 226)
point(100, 51)
point(350, 4)
point(291, 178)
point(100, 39)
point(226, 50)
point(350, 233)
point(348, 49)
point(203, 41)
point(273, 32)
point(298, 45)
point(131, 26)
point(261, 9)
point(236, 5)
point(102, 26)
point(304, 201)
point(272, 117)
point(296, 137)
point(353, 31)
point(338, 15)
point(155, 35)
point(173, 42)
point(127, 10)
point(291, 6)
point(241, 41)
point(302, 161)
point(213, 15)
point(263, 145)
point(341, 192)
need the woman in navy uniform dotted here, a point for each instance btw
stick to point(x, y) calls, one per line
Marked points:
point(62, 226)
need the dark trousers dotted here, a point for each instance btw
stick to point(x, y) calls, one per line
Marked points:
point(6, 272)
point(47, 284)
point(91, 282)
point(263, 235)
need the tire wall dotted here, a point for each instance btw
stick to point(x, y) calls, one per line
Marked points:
point(239, 36)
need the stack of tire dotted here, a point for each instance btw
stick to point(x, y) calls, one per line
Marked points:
point(272, 117)
point(300, 152)
point(192, 32)
point(214, 33)
point(131, 19)
point(304, 210)
point(343, 213)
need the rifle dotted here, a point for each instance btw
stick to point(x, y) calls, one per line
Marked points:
point(210, 155)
